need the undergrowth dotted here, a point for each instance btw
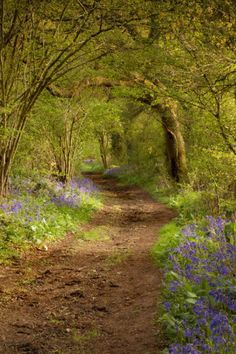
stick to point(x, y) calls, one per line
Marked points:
point(200, 289)
point(41, 210)
point(91, 165)
point(169, 237)
point(198, 255)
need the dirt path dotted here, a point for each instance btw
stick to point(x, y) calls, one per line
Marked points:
point(89, 296)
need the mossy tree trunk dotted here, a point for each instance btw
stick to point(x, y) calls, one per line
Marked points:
point(175, 145)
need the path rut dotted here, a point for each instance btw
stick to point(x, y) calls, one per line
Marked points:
point(89, 297)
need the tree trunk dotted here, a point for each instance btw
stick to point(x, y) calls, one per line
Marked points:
point(3, 177)
point(103, 150)
point(175, 145)
point(117, 146)
point(9, 145)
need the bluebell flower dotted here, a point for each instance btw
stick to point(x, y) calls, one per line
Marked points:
point(206, 264)
point(167, 306)
point(174, 285)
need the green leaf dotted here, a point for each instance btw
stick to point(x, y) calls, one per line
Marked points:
point(191, 301)
point(191, 295)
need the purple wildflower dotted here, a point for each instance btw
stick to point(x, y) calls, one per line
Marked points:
point(205, 262)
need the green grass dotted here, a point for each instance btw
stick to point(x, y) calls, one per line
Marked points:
point(117, 258)
point(17, 235)
point(100, 233)
point(149, 184)
point(131, 179)
point(88, 336)
point(52, 319)
point(169, 237)
point(93, 167)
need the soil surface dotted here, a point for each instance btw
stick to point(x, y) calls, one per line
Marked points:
point(95, 292)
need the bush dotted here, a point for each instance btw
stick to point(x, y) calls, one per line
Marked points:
point(191, 204)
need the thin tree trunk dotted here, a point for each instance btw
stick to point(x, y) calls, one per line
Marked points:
point(3, 177)
point(103, 151)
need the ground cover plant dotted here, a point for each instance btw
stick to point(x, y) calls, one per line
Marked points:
point(198, 254)
point(41, 209)
point(200, 289)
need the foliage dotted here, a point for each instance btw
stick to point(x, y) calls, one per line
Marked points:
point(90, 165)
point(116, 82)
point(116, 171)
point(99, 233)
point(200, 306)
point(153, 59)
point(199, 261)
point(104, 122)
point(41, 210)
point(62, 131)
point(169, 237)
point(190, 204)
point(40, 43)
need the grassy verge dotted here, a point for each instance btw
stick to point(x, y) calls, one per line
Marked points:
point(169, 237)
point(40, 211)
point(91, 166)
point(199, 308)
point(198, 253)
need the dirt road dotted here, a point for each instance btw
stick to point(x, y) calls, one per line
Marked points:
point(93, 293)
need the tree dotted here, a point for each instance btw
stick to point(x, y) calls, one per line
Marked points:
point(40, 41)
point(144, 83)
point(142, 90)
point(187, 56)
point(105, 123)
point(62, 130)
point(199, 50)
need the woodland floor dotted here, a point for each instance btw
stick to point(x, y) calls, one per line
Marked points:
point(89, 297)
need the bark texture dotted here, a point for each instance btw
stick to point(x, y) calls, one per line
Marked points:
point(175, 145)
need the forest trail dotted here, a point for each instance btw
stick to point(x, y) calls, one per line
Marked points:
point(96, 296)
